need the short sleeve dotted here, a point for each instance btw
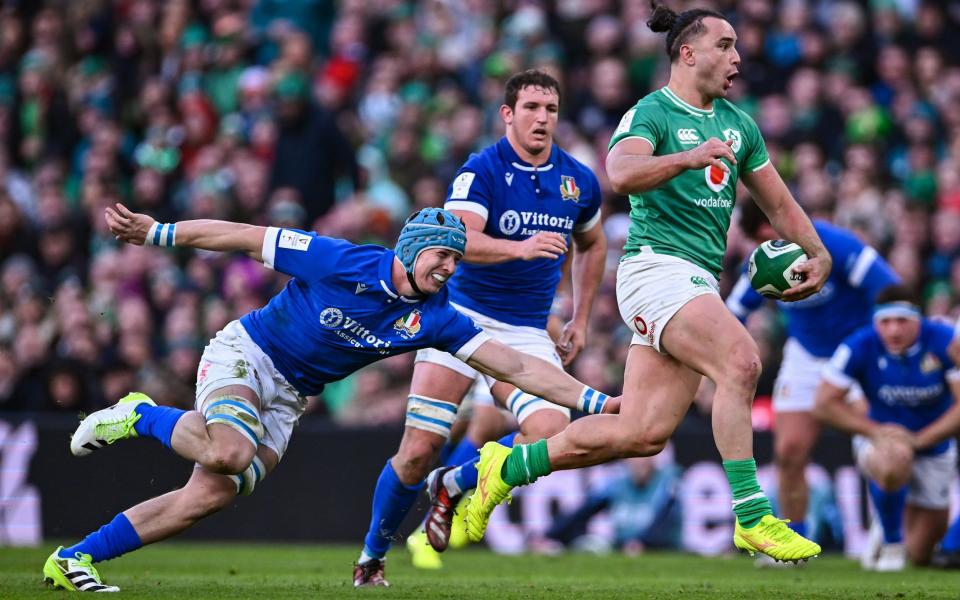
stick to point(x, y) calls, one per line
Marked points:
point(846, 365)
point(590, 215)
point(471, 190)
point(459, 335)
point(942, 336)
point(755, 157)
point(304, 255)
point(642, 121)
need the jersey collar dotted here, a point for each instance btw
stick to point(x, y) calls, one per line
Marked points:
point(511, 156)
point(386, 278)
point(687, 107)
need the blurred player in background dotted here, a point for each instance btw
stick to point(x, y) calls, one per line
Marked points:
point(521, 200)
point(815, 327)
point(347, 306)
point(667, 154)
point(904, 443)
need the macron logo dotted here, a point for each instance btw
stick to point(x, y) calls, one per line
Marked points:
point(361, 287)
point(688, 136)
point(509, 178)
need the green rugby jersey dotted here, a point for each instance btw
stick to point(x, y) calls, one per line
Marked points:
point(688, 216)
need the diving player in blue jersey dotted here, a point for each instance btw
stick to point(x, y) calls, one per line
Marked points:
point(346, 306)
point(815, 327)
point(521, 199)
point(904, 443)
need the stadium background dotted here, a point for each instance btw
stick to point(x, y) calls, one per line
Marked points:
point(343, 117)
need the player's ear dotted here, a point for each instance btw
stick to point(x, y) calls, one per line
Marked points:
point(506, 114)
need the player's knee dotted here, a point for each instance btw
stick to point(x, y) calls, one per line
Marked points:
point(416, 455)
point(227, 458)
point(790, 455)
point(646, 441)
point(544, 424)
point(746, 368)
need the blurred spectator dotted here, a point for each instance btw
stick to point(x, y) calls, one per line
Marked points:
point(643, 504)
point(311, 150)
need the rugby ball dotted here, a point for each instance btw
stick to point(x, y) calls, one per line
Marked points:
point(771, 267)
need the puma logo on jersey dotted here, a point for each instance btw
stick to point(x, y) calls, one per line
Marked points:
point(509, 178)
point(688, 136)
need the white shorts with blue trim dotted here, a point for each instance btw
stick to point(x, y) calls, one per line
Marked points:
point(796, 386)
point(232, 358)
point(529, 340)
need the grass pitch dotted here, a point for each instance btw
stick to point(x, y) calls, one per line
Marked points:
point(213, 571)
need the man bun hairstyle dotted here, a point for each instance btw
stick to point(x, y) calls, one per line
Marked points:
point(530, 77)
point(680, 28)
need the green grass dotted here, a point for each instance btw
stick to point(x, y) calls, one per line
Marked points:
point(210, 571)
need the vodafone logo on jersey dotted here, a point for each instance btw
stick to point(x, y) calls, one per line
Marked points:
point(716, 177)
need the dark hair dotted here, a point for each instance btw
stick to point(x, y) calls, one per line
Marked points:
point(530, 77)
point(897, 293)
point(680, 28)
point(752, 218)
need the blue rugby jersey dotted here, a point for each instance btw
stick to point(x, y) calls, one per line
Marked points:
point(518, 200)
point(819, 323)
point(340, 312)
point(912, 389)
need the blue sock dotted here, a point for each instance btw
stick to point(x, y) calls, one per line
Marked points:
point(464, 452)
point(466, 473)
point(110, 541)
point(445, 453)
point(391, 503)
point(889, 507)
point(951, 541)
point(798, 526)
point(157, 422)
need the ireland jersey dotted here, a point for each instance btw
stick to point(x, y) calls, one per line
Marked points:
point(688, 216)
point(340, 312)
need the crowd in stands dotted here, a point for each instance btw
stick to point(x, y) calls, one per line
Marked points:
point(345, 116)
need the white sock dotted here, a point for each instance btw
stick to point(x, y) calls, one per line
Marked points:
point(450, 482)
point(364, 557)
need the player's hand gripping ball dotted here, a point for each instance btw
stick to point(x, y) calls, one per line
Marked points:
point(771, 267)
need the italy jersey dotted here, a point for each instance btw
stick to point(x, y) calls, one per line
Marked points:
point(912, 389)
point(340, 312)
point(844, 304)
point(688, 215)
point(517, 201)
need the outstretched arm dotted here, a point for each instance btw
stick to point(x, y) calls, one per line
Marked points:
point(205, 234)
point(538, 377)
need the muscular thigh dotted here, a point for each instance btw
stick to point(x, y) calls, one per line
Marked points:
point(439, 382)
point(657, 389)
point(705, 336)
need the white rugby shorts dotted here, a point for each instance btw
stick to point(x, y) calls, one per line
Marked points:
point(932, 477)
point(651, 288)
point(232, 358)
point(528, 340)
point(796, 386)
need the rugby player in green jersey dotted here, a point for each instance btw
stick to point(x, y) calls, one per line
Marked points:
point(678, 154)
